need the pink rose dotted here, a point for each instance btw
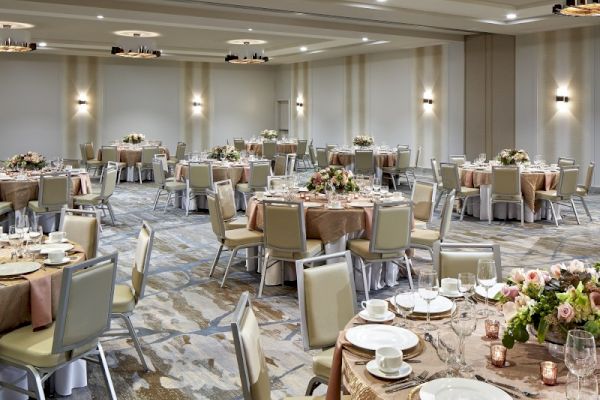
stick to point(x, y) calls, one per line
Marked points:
point(555, 270)
point(517, 275)
point(595, 301)
point(534, 276)
point(566, 313)
point(510, 292)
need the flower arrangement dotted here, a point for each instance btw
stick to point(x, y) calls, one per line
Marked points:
point(134, 138)
point(228, 153)
point(552, 302)
point(269, 134)
point(30, 160)
point(341, 180)
point(513, 156)
point(363, 141)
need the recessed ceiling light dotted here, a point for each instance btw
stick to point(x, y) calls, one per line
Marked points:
point(247, 41)
point(42, 44)
point(381, 1)
point(100, 16)
point(16, 25)
point(511, 16)
point(143, 34)
point(365, 39)
point(249, 29)
point(303, 48)
point(316, 51)
point(379, 42)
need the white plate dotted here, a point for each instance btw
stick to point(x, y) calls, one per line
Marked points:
point(361, 204)
point(18, 268)
point(388, 316)
point(480, 290)
point(4, 238)
point(63, 240)
point(335, 208)
point(56, 246)
point(64, 261)
point(372, 337)
point(439, 305)
point(451, 295)
point(405, 370)
point(460, 388)
point(311, 204)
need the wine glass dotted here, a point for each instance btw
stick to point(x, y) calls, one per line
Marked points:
point(429, 287)
point(463, 322)
point(448, 348)
point(466, 284)
point(376, 184)
point(584, 388)
point(404, 302)
point(15, 239)
point(580, 355)
point(486, 277)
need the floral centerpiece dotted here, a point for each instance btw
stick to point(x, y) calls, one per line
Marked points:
point(341, 180)
point(30, 160)
point(269, 134)
point(228, 153)
point(552, 302)
point(134, 138)
point(513, 157)
point(363, 141)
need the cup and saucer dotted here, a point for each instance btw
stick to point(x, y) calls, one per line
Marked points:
point(56, 257)
point(376, 310)
point(389, 364)
point(449, 288)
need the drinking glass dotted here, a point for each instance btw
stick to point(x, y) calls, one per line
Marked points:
point(466, 284)
point(486, 277)
point(376, 184)
point(404, 302)
point(448, 348)
point(15, 239)
point(580, 356)
point(584, 388)
point(463, 322)
point(429, 287)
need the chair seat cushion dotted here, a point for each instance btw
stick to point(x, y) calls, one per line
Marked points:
point(418, 224)
point(34, 206)
point(424, 237)
point(581, 191)
point(5, 207)
point(242, 237)
point(123, 299)
point(174, 186)
point(87, 199)
point(120, 165)
point(322, 363)
point(95, 163)
point(394, 170)
point(360, 247)
point(236, 223)
point(507, 197)
point(313, 248)
point(243, 187)
point(547, 195)
point(468, 192)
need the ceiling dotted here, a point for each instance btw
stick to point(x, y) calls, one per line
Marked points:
point(198, 30)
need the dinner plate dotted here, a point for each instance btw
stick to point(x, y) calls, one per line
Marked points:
point(18, 268)
point(388, 316)
point(460, 388)
point(335, 208)
point(480, 290)
point(451, 295)
point(438, 305)
point(312, 204)
point(361, 204)
point(63, 261)
point(372, 337)
point(56, 246)
point(373, 368)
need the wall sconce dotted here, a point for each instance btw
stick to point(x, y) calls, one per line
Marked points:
point(197, 105)
point(300, 105)
point(562, 98)
point(428, 101)
point(82, 103)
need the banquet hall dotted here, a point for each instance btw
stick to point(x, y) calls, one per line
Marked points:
point(304, 199)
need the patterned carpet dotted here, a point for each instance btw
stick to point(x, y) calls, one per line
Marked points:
point(184, 318)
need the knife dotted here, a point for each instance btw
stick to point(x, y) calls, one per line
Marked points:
point(506, 386)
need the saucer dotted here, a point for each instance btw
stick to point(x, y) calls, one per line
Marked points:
point(335, 208)
point(452, 295)
point(388, 316)
point(374, 370)
point(63, 240)
point(64, 261)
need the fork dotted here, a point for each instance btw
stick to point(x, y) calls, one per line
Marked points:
point(505, 386)
point(417, 378)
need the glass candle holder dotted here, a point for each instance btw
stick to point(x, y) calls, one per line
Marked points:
point(498, 355)
point(492, 329)
point(549, 372)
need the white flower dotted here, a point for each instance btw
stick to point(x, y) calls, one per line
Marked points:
point(576, 267)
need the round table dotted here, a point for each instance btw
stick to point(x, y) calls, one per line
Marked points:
point(346, 158)
point(132, 155)
point(237, 172)
point(282, 148)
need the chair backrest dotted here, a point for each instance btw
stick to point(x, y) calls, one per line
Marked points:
point(589, 177)
point(109, 153)
point(87, 151)
point(403, 146)
point(363, 161)
point(83, 153)
point(148, 153)
point(85, 304)
point(458, 159)
point(200, 176)
point(301, 148)
point(216, 218)
point(418, 156)
point(322, 160)
point(180, 152)
point(158, 173)
point(506, 181)
point(392, 223)
point(141, 262)
point(83, 227)
point(162, 157)
point(284, 226)
point(312, 154)
point(290, 163)
point(446, 217)
point(330, 147)
point(435, 170)
point(54, 190)
point(277, 183)
point(565, 161)
point(450, 177)
point(259, 173)
point(423, 198)
point(567, 181)
point(225, 193)
point(269, 150)
point(72, 162)
point(280, 165)
point(451, 258)
point(403, 159)
point(239, 144)
point(327, 298)
point(254, 374)
point(109, 183)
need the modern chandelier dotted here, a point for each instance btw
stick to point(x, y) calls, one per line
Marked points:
point(578, 8)
point(247, 53)
point(136, 46)
point(14, 40)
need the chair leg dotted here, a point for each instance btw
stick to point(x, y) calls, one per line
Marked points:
point(409, 271)
point(585, 207)
point(575, 211)
point(36, 381)
point(187, 203)
point(167, 203)
point(393, 181)
point(140, 175)
point(314, 383)
point(263, 276)
point(490, 208)
point(233, 253)
point(111, 212)
point(522, 213)
point(156, 199)
point(553, 212)
point(462, 212)
point(437, 201)
point(363, 268)
point(106, 373)
point(216, 260)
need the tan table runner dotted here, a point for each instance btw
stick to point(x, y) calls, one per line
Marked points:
point(237, 173)
point(283, 148)
point(132, 156)
point(20, 193)
point(346, 158)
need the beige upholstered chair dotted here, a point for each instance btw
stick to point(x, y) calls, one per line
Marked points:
point(423, 196)
point(83, 227)
point(301, 155)
point(239, 144)
point(258, 180)
point(313, 155)
point(290, 164)
point(225, 193)
point(412, 170)
point(111, 154)
point(100, 200)
point(426, 238)
point(199, 182)
point(565, 162)
point(169, 188)
point(74, 163)
point(327, 300)
point(506, 188)
point(449, 259)
point(458, 159)
point(390, 238)
point(584, 190)
point(269, 149)
point(364, 162)
point(83, 315)
point(5, 208)
point(322, 158)
point(451, 181)
point(279, 169)
point(53, 194)
point(565, 190)
point(285, 237)
point(88, 158)
point(401, 169)
point(232, 240)
point(179, 154)
point(126, 297)
point(148, 153)
point(437, 179)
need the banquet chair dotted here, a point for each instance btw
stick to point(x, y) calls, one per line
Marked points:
point(426, 238)
point(54, 194)
point(126, 297)
point(83, 314)
point(565, 190)
point(73, 162)
point(226, 195)
point(390, 238)
point(322, 159)
point(412, 170)
point(285, 237)
point(449, 259)
point(269, 149)
point(363, 162)
point(5, 208)
point(565, 162)
point(458, 159)
point(258, 180)
point(451, 181)
point(403, 146)
point(280, 165)
point(232, 240)
point(301, 155)
point(583, 190)
point(239, 144)
point(88, 159)
point(437, 179)
point(111, 154)
point(179, 154)
point(290, 163)
point(199, 182)
point(83, 227)
point(100, 200)
point(506, 188)
point(169, 187)
point(423, 195)
point(327, 300)
point(148, 153)
point(401, 168)
point(313, 156)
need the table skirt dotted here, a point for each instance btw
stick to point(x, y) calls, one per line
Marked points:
point(66, 379)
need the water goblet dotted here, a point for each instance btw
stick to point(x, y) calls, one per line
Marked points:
point(580, 356)
point(376, 184)
point(404, 303)
point(486, 277)
point(448, 349)
point(463, 322)
point(466, 284)
point(429, 287)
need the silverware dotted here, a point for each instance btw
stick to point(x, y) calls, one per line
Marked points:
point(407, 380)
point(414, 383)
point(365, 362)
point(506, 386)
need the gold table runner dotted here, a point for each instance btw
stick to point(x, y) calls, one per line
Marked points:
point(237, 173)
point(20, 193)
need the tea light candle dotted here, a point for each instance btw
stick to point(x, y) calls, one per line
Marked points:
point(498, 355)
point(492, 329)
point(549, 372)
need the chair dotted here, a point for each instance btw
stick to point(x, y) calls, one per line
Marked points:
point(148, 153)
point(363, 162)
point(83, 227)
point(126, 297)
point(401, 168)
point(83, 314)
point(565, 162)
point(458, 159)
point(285, 237)
point(74, 163)
point(426, 238)
point(5, 207)
point(165, 186)
point(437, 179)
point(290, 163)
point(301, 155)
point(322, 158)
point(198, 182)
point(269, 150)
point(179, 154)
point(232, 240)
point(226, 195)
point(451, 181)
point(259, 173)
point(506, 188)
point(423, 196)
point(449, 259)
point(100, 200)
point(390, 238)
point(111, 154)
point(239, 144)
point(412, 170)
point(565, 190)
point(280, 165)
point(584, 190)
point(54, 192)
point(88, 159)
point(313, 155)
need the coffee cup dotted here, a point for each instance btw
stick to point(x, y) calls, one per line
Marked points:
point(259, 195)
point(375, 308)
point(450, 285)
point(389, 359)
point(56, 256)
point(56, 237)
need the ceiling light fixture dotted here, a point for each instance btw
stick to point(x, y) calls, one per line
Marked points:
point(365, 39)
point(42, 44)
point(578, 8)
point(248, 53)
point(303, 48)
point(100, 16)
point(15, 40)
point(135, 45)
point(250, 29)
point(511, 16)
point(381, 1)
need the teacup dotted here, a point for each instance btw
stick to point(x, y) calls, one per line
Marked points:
point(450, 285)
point(259, 195)
point(56, 256)
point(56, 237)
point(375, 308)
point(389, 359)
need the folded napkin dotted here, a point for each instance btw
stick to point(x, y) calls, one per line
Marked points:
point(40, 295)
point(334, 387)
